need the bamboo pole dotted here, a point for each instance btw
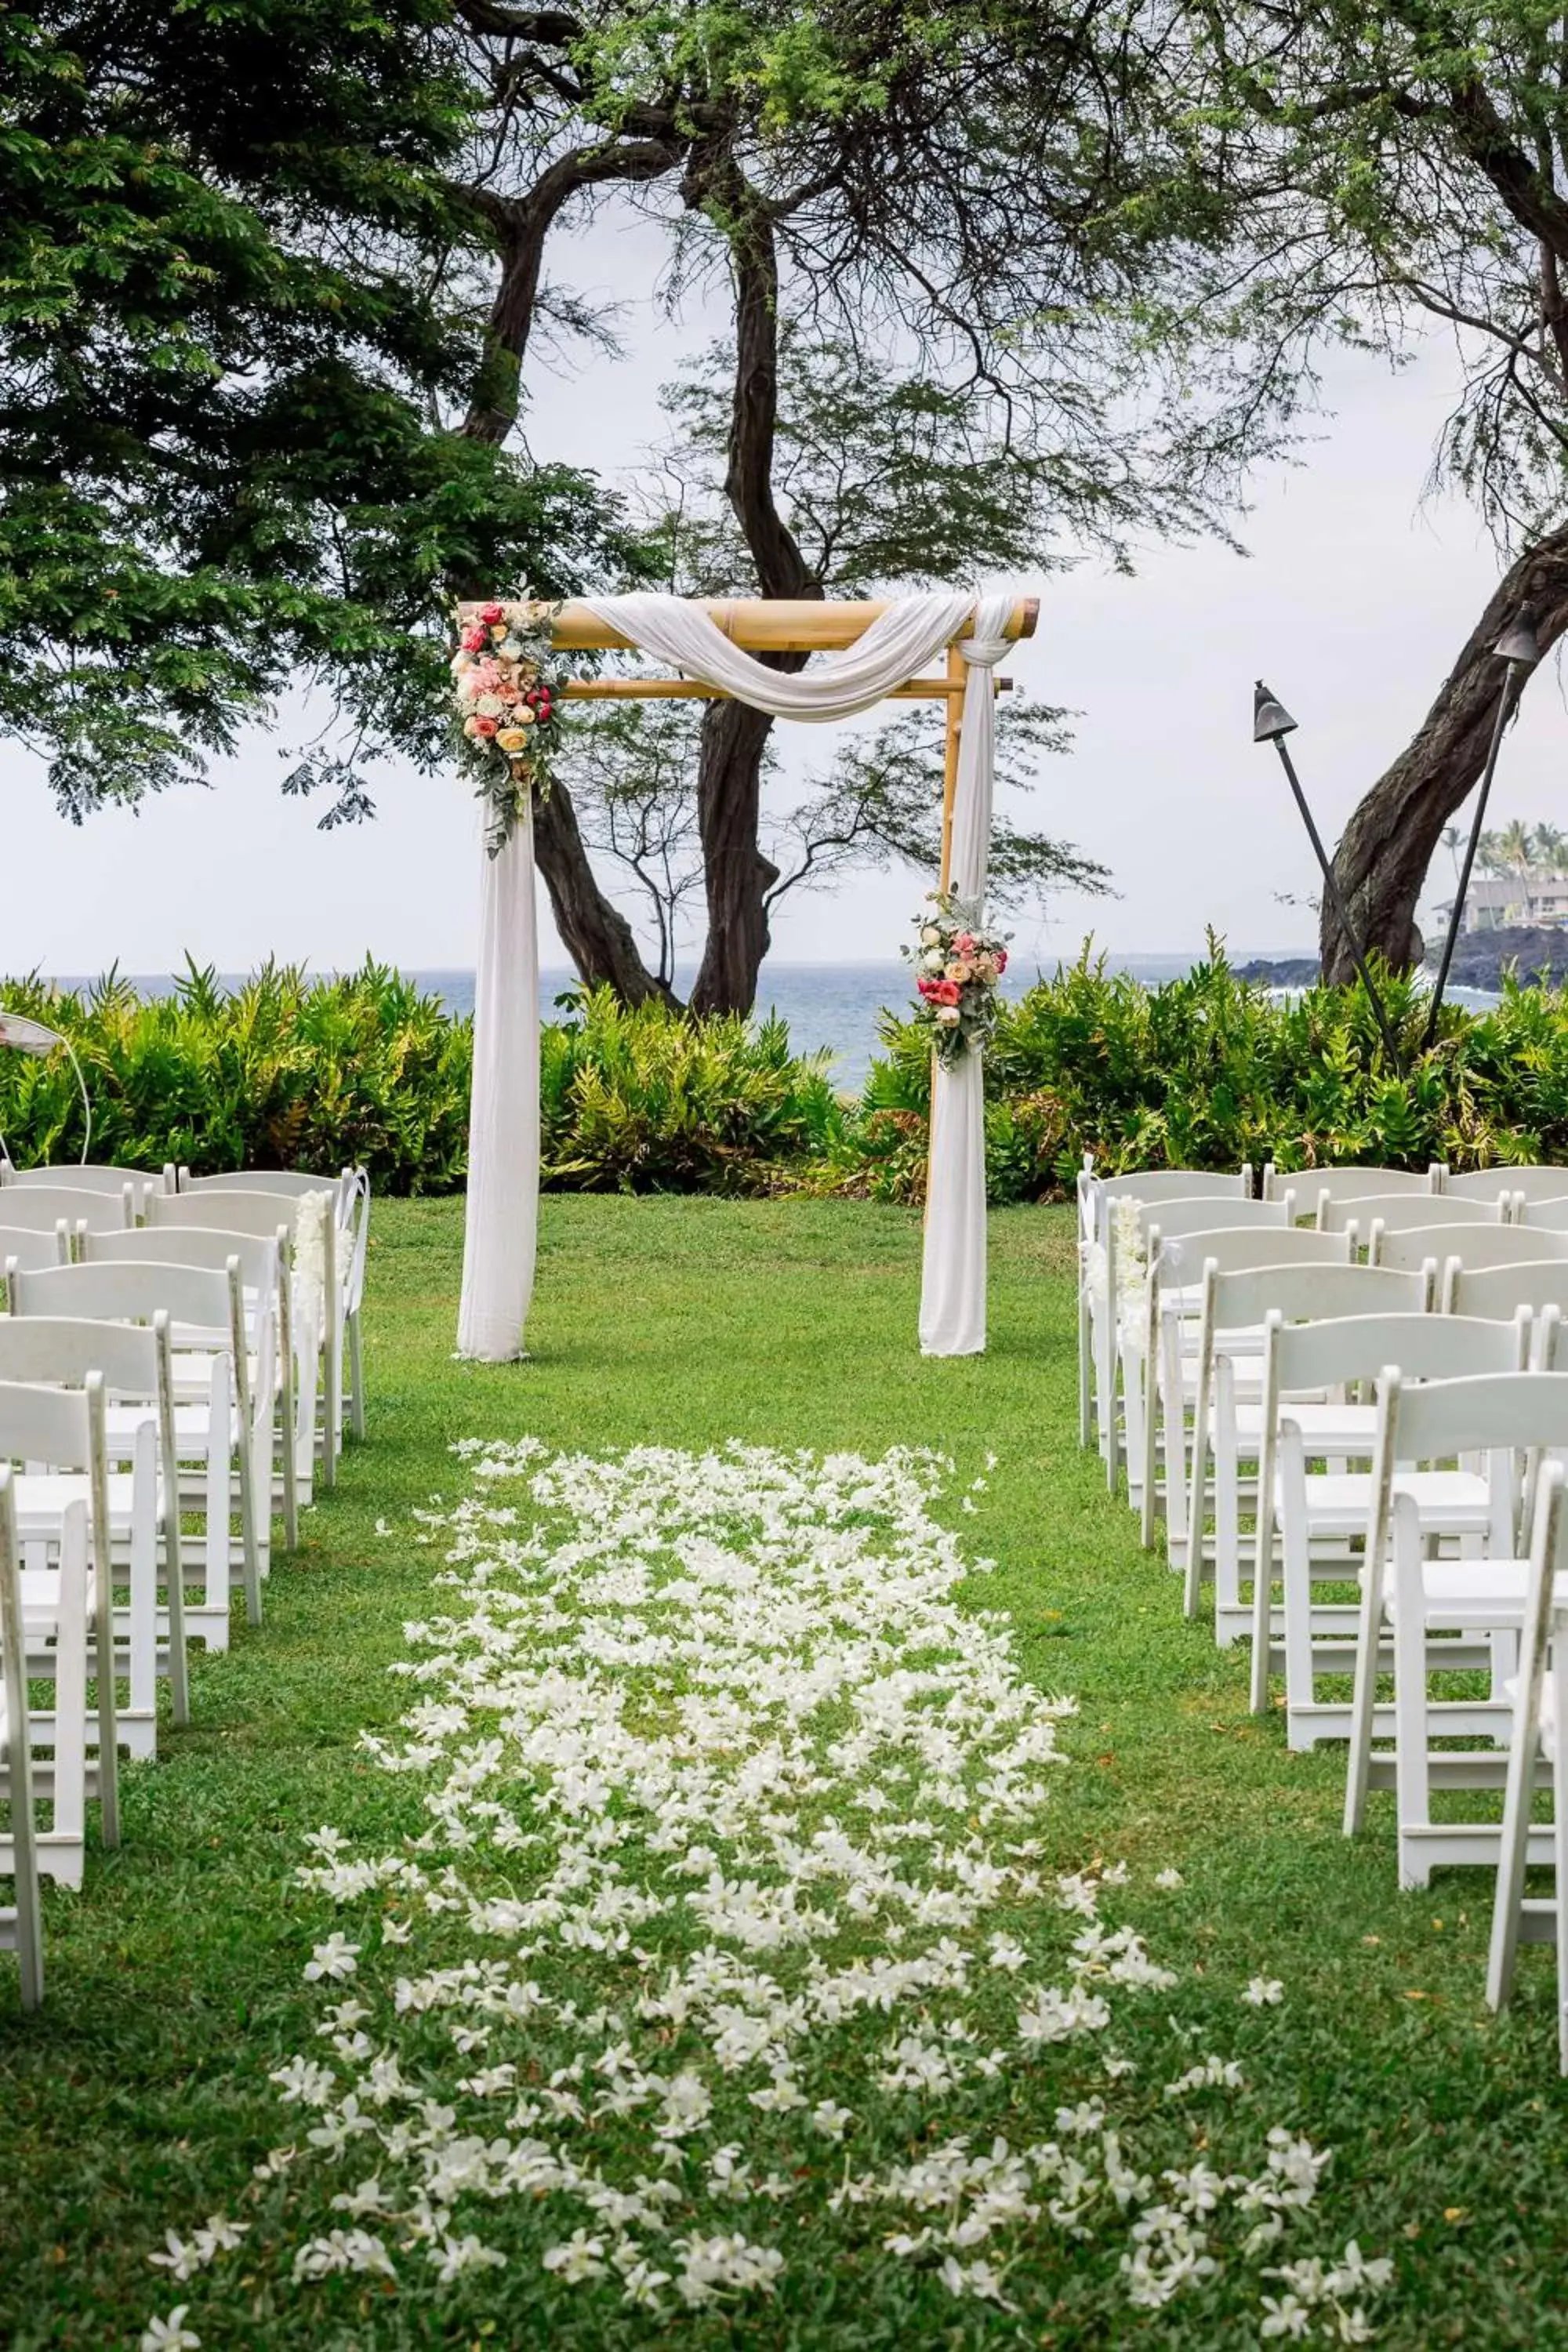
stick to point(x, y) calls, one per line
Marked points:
point(953, 689)
point(762, 624)
point(669, 689)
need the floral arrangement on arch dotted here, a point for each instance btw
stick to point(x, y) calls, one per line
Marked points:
point(507, 697)
point(958, 965)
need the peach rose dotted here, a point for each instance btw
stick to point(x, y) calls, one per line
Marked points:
point(945, 992)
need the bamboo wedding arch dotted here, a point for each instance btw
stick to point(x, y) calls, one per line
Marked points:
point(711, 645)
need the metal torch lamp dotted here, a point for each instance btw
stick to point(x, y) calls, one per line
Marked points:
point(25, 1035)
point(1271, 722)
point(1519, 652)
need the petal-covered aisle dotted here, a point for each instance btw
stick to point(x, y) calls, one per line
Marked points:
point(736, 1966)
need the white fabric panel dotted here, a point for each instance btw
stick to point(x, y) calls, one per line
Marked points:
point(896, 647)
point(953, 1284)
point(501, 1220)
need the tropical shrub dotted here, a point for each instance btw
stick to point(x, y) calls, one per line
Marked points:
point(287, 1071)
point(1208, 1071)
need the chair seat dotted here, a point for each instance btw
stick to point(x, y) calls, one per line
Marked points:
point(192, 1423)
point(43, 1497)
point(41, 1601)
point(1330, 1428)
point(1450, 1502)
point(1468, 1594)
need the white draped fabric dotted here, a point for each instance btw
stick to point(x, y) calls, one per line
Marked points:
point(952, 1282)
point(501, 1220)
point(500, 1229)
point(896, 647)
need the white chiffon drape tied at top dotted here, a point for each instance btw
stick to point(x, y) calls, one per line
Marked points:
point(500, 1229)
point(953, 1280)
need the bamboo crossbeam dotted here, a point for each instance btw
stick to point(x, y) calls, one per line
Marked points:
point(670, 690)
point(762, 624)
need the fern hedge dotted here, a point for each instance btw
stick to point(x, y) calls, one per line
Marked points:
point(1204, 1071)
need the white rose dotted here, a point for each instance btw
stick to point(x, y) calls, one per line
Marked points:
point(934, 962)
point(489, 706)
point(930, 937)
point(947, 1016)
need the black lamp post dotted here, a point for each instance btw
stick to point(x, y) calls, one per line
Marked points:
point(1271, 722)
point(1519, 653)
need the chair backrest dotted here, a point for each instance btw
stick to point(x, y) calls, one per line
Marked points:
point(185, 1245)
point(1500, 1290)
point(60, 1427)
point(1177, 1218)
point(1351, 1348)
point(88, 1176)
point(1244, 1299)
point(1175, 1184)
point(1542, 1214)
point(39, 1208)
point(1471, 1245)
point(1405, 1213)
point(289, 1183)
point(1182, 1262)
point(1487, 1183)
point(20, 1244)
point(63, 1350)
point(223, 1211)
point(1311, 1184)
point(193, 1296)
point(1436, 1419)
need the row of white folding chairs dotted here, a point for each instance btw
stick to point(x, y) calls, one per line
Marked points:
point(126, 1362)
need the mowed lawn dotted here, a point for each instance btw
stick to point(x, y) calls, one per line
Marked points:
point(139, 2100)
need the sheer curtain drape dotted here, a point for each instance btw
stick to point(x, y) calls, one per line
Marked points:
point(953, 1280)
point(500, 1229)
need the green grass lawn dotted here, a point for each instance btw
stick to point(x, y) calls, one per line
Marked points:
point(139, 2100)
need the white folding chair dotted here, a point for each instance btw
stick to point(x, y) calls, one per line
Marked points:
point(1537, 1735)
point(21, 1924)
point(310, 1329)
point(136, 1368)
point(1501, 1417)
point(1233, 1418)
point(1537, 1214)
point(66, 1609)
point(90, 1177)
point(1138, 1232)
point(1526, 1184)
point(1095, 1325)
point(1319, 1514)
point(263, 1263)
point(19, 1246)
point(1314, 1187)
point(1171, 1346)
point(352, 1241)
point(42, 1208)
point(1497, 1292)
point(1379, 1214)
point(1473, 1247)
point(220, 1351)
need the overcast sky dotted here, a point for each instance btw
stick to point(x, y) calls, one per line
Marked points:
point(1353, 602)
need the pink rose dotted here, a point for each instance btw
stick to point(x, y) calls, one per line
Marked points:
point(945, 992)
point(475, 640)
point(964, 944)
point(483, 726)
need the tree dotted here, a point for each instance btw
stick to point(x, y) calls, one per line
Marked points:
point(223, 372)
point(1323, 170)
point(914, 190)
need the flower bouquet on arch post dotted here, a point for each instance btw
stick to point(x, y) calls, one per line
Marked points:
point(507, 705)
point(958, 963)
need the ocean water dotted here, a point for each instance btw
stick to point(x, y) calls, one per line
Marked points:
point(831, 1007)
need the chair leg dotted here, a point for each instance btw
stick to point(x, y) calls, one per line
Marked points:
point(1412, 1795)
point(1558, 1672)
point(1357, 1762)
point(356, 1374)
point(1176, 1431)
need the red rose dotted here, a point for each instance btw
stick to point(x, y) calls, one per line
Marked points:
point(927, 987)
point(1000, 954)
point(491, 613)
point(946, 991)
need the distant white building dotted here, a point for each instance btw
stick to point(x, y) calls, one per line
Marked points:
point(1497, 902)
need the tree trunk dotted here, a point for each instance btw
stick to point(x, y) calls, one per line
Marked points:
point(1380, 862)
point(736, 876)
point(597, 935)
